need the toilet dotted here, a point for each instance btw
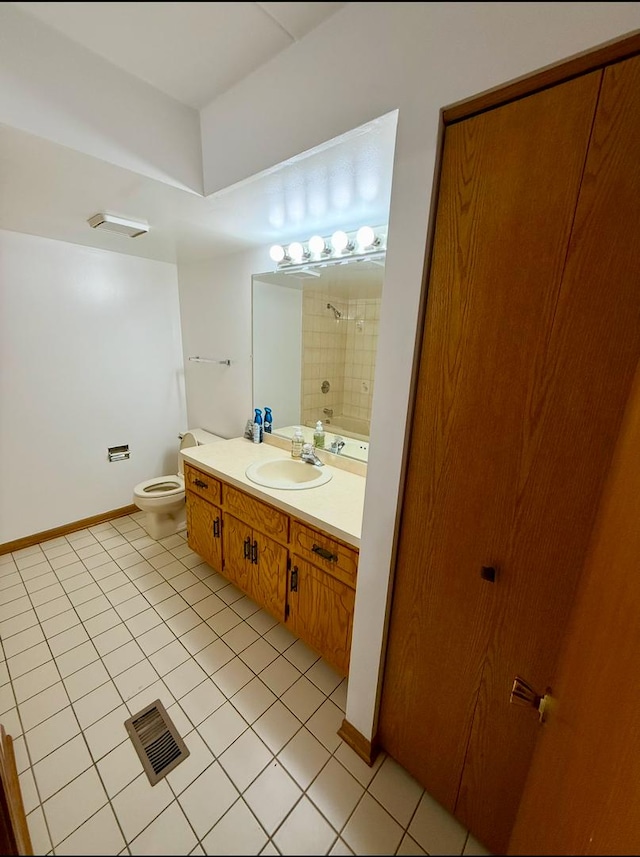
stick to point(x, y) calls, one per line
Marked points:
point(163, 498)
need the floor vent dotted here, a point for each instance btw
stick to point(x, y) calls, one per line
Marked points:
point(156, 740)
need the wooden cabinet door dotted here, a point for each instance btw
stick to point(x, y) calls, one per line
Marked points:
point(503, 469)
point(268, 580)
point(321, 612)
point(238, 539)
point(204, 530)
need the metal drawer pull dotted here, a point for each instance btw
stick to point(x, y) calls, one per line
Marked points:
point(294, 579)
point(324, 553)
point(200, 483)
point(247, 548)
point(254, 553)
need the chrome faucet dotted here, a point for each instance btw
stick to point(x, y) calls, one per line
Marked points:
point(309, 455)
point(337, 445)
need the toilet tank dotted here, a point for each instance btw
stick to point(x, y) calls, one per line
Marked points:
point(195, 437)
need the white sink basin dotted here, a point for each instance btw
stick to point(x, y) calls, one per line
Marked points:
point(287, 473)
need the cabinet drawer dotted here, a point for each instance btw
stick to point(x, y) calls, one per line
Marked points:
point(324, 552)
point(265, 518)
point(201, 483)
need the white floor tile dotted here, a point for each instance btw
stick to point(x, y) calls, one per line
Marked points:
point(62, 766)
point(85, 680)
point(106, 733)
point(232, 676)
point(240, 637)
point(170, 833)
point(475, 848)
point(303, 757)
point(259, 655)
point(304, 831)
point(202, 701)
point(95, 704)
point(119, 767)
point(324, 677)
point(340, 847)
point(34, 682)
point(409, 847)
point(74, 804)
point(184, 678)
point(336, 793)
point(237, 832)
point(207, 799)
point(245, 759)
point(435, 830)
point(223, 621)
point(53, 733)
point(198, 638)
point(122, 658)
point(371, 830)
point(272, 796)
point(396, 790)
point(214, 656)
point(30, 659)
point(155, 639)
point(280, 675)
point(144, 621)
point(222, 728)
point(169, 657)
point(67, 640)
point(139, 803)
point(153, 691)
point(77, 658)
point(209, 606)
point(98, 835)
point(104, 621)
point(303, 698)
point(277, 726)
point(324, 725)
point(184, 621)
point(133, 681)
point(301, 656)
point(41, 706)
point(253, 700)
point(38, 832)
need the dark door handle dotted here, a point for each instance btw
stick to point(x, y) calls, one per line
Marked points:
point(488, 572)
point(254, 553)
point(200, 483)
point(247, 548)
point(216, 528)
point(294, 579)
point(324, 553)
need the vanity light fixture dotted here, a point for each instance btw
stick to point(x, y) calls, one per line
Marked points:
point(364, 243)
point(111, 223)
point(340, 242)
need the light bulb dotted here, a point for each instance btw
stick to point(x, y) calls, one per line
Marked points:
point(317, 245)
point(340, 241)
point(277, 253)
point(366, 237)
point(296, 251)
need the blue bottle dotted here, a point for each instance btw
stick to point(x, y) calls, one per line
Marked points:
point(257, 426)
point(268, 420)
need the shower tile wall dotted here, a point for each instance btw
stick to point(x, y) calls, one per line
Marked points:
point(341, 351)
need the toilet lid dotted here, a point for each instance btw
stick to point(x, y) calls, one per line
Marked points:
point(163, 486)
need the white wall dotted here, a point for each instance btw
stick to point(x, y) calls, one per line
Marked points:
point(367, 60)
point(53, 88)
point(90, 357)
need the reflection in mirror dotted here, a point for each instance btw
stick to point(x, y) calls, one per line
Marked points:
point(315, 338)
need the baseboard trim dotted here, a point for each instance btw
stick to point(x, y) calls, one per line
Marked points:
point(367, 750)
point(56, 532)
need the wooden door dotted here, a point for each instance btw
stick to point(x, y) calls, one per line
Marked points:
point(510, 443)
point(583, 791)
point(321, 612)
point(237, 551)
point(268, 584)
point(204, 530)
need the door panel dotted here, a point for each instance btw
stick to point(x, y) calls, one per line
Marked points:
point(202, 530)
point(237, 567)
point(507, 197)
point(580, 392)
point(583, 792)
point(269, 585)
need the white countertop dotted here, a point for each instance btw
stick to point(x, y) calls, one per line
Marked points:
point(335, 507)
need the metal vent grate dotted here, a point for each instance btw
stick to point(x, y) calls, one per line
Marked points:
point(156, 741)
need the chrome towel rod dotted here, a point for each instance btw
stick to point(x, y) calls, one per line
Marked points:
point(209, 360)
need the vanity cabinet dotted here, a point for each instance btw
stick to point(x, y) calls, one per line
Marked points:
point(302, 576)
point(322, 584)
point(204, 516)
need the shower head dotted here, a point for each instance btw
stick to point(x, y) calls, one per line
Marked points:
point(336, 312)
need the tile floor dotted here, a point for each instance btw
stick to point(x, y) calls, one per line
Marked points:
point(98, 624)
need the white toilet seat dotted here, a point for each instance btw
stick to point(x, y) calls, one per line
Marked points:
point(162, 487)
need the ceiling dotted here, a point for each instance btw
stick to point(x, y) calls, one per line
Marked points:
point(50, 190)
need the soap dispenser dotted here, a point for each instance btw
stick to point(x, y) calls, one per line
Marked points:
point(296, 443)
point(318, 435)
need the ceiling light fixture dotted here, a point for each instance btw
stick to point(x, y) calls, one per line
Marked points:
point(111, 223)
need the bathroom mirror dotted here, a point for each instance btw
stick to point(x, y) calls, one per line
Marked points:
point(315, 338)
